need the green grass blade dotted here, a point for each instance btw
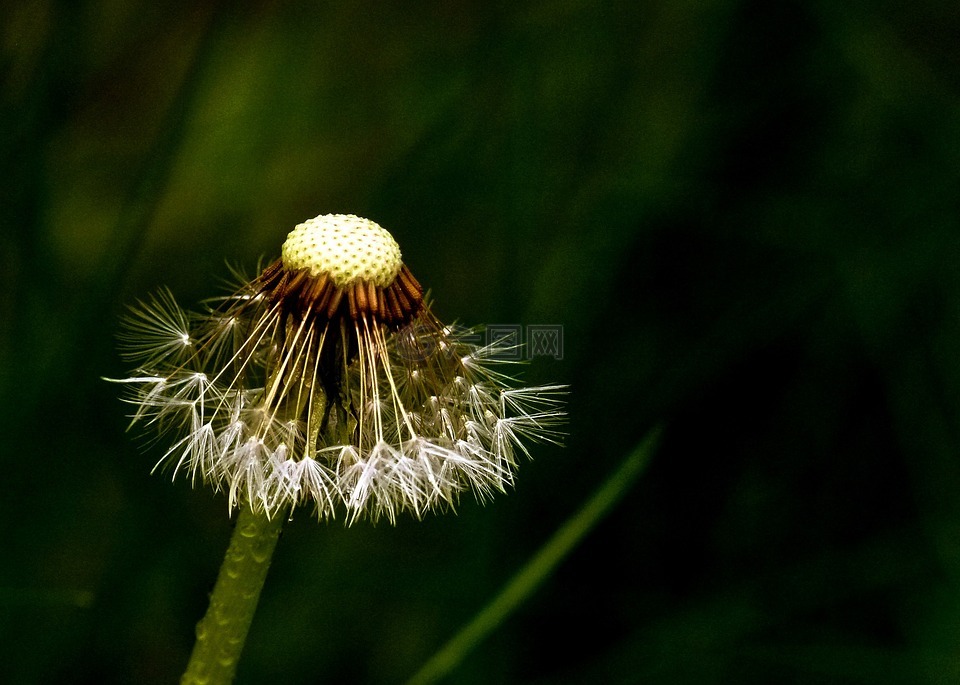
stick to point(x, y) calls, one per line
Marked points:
point(540, 565)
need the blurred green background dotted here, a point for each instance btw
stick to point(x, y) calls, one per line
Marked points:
point(744, 214)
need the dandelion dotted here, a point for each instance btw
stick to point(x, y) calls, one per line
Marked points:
point(327, 382)
point(323, 382)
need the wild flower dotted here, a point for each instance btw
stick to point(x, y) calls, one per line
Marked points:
point(326, 381)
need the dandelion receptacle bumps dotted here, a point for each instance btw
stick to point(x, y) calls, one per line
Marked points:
point(327, 382)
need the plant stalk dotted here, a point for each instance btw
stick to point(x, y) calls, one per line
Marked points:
point(222, 632)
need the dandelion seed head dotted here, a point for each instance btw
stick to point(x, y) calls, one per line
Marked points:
point(327, 382)
point(347, 247)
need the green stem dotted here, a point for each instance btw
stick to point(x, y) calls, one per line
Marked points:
point(539, 567)
point(222, 631)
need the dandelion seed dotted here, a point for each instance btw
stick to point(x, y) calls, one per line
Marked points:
point(327, 382)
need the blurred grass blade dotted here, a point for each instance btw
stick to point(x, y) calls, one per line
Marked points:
point(541, 565)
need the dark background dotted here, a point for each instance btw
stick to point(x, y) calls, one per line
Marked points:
point(745, 215)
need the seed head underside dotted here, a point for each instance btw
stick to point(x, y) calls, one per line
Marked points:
point(348, 397)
